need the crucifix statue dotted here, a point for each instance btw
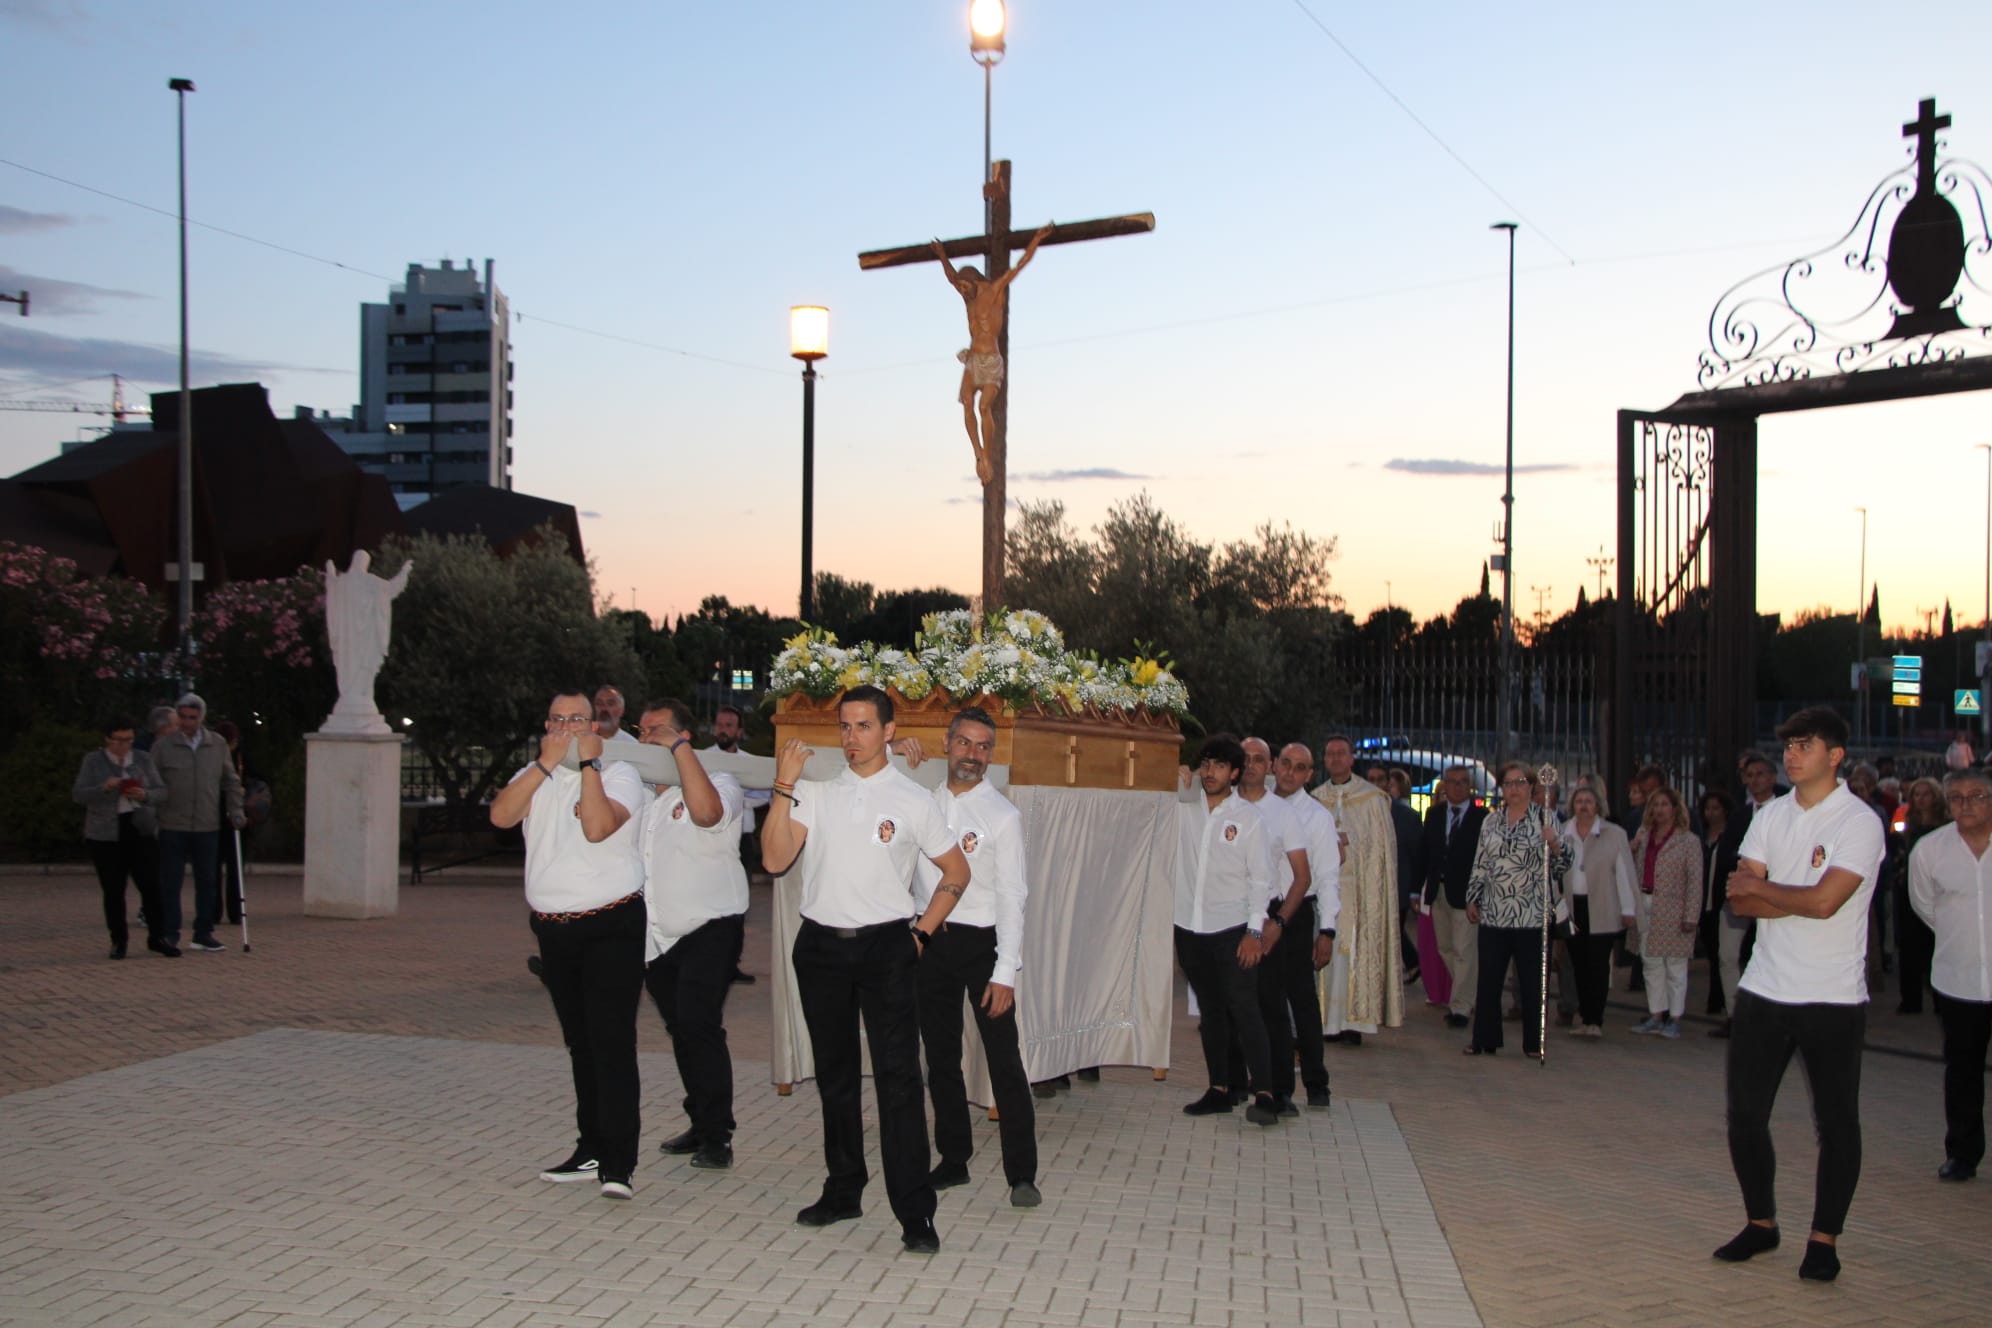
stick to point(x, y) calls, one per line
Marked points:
point(982, 363)
point(985, 381)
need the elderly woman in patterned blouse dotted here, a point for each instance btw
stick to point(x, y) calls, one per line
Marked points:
point(1506, 896)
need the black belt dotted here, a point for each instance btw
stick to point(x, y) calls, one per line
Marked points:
point(852, 933)
point(964, 926)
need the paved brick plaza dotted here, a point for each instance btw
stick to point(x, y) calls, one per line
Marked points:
point(342, 1128)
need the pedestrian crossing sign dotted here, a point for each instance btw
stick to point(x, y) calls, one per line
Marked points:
point(1966, 701)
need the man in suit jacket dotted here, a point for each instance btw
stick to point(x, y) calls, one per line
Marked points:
point(1452, 830)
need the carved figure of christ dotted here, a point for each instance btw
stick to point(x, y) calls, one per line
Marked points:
point(985, 408)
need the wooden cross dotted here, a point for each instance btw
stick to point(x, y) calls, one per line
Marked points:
point(996, 248)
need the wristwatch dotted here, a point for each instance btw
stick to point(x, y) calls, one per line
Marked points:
point(593, 763)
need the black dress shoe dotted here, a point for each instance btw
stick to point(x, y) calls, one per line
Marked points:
point(118, 950)
point(742, 977)
point(713, 1157)
point(825, 1211)
point(1351, 1037)
point(1044, 1089)
point(1457, 1021)
point(680, 1145)
point(1952, 1169)
point(167, 950)
point(1286, 1106)
point(1090, 1075)
point(1318, 1098)
point(1212, 1103)
point(948, 1175)
point(920, 1238)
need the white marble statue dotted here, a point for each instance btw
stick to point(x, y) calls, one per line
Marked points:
point(359, 608)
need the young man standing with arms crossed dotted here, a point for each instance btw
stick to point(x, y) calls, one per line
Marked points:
point(1809, 862)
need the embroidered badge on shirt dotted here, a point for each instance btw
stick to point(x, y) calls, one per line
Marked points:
point(1230, 831)
point(969, 842)
point(1818, 855)
point(678, 812)
point(883, 832)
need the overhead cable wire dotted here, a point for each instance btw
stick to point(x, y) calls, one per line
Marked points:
point(349, 267)
point(1430, 132)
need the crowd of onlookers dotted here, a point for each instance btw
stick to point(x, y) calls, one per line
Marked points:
point(1642, 896)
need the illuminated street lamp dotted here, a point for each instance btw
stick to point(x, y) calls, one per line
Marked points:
point(986, 21)
point(809, 341)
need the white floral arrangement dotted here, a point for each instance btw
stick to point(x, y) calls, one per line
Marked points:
point(1018, 655)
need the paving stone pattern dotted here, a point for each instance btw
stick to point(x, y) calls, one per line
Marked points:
point(342, 1128)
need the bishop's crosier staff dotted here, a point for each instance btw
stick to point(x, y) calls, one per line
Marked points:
point(1546, 776)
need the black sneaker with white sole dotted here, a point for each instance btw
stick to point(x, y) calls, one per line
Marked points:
point(578, 1167)
point(616, 1187)
point(207, 945)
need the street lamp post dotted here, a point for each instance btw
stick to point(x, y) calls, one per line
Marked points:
point(1860, 640)
point(1508, 519)
point(986, 22)
point(809, 341)
point(180, 88)
point(1984, 670)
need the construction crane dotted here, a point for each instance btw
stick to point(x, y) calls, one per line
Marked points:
point(117, 409)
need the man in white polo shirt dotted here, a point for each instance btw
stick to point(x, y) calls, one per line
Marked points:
point(695, 895)
point(1285, 964)
point(1315, 922)
point(1951, 889)
point(858, 837)
point(1809, 862)
point(584, 885)
point(976, 955)
point(1224, 875)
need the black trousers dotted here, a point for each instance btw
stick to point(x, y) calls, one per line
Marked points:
point(1591, 958)
point(1967, 1033)
point(689, 983)
point(1228, 997)
point(1290, 1008)
point(1917, 946)
point(1762, 1037)
point(869, 977)
point(593, 970)
point(959, 964)
point(1499, 947)
point(134, 857)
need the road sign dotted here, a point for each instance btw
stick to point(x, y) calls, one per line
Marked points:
point(1965, 701)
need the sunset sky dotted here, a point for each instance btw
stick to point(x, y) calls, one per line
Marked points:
point(1314, 333)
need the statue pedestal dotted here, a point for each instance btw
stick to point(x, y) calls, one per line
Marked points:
point(352, 824)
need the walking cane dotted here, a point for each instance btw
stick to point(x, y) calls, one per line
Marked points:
point(1546, 776)
point(242, 887)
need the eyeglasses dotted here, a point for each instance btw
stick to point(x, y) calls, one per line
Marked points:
point(1967, 799)
point(570, 720)
point(647, 730)
point(1514, 783)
